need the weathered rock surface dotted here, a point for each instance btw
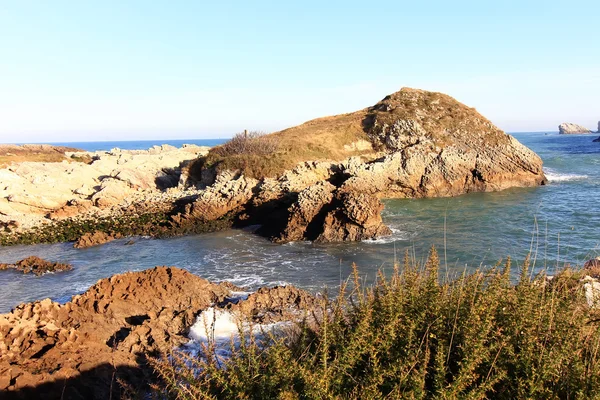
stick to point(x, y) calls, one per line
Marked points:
point(82, 348)
point(32, 193)
point(270, 305)
point(324, 214)
point(93, 239)
point(428, 145)
point(413, 144)
point(569, 128)
point(37, 266)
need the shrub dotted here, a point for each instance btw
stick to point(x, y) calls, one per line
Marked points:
point(409, 336)
point(255, 143)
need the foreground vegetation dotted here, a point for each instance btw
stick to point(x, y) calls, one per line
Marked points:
point(479, 336)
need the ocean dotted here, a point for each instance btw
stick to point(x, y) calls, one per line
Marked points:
point(558, 224)
point(137, 144)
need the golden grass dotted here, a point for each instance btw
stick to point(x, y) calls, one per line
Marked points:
point(444, 120)
point(317, 140)
point(14, 154)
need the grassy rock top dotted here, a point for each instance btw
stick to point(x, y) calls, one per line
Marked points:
point(393, 123)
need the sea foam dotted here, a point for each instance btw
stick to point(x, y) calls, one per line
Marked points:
point(554, 176)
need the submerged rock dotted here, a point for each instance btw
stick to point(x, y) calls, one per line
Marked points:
point(569, 128)
point(37, 266)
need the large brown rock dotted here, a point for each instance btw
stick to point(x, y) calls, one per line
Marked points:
point(95, 238)
point(324, 214)
point(37, 266)
point(82, 348)
point(88, 347)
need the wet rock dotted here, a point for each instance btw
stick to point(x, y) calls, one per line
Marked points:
point(37, 266)
point(93, 239)
point(277, 304)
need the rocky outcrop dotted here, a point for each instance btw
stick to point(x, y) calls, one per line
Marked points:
point(37, 266)
point(597, 139)
point(93, 239)
point(569, 128)
point(32, 193)
point(324, 214)
point(411, 144)
point(426, 145)
point(270, 305)
point(87, 346)
point(354, 217)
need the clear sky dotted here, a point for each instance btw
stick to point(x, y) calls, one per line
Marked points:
point(124, 69)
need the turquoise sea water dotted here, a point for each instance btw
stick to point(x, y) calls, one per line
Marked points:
point(559, 223)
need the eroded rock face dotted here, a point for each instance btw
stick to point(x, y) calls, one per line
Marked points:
point(277, 304)
point(569, 128)
point(37, 266)
point(87, 346)
point(355, 217)
point(323, 213)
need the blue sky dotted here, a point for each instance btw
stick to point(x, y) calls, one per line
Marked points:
point(83, 70)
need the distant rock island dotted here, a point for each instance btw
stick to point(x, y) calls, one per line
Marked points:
point(319, 181)
point(567, 128)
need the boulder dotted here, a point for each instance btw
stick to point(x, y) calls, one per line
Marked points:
point(93, 239)
point(37, 266)
point(569, 128)
point(355, 217)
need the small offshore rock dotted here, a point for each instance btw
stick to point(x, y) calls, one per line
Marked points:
point(567, 128)
point(93, 239)
point(37, 266)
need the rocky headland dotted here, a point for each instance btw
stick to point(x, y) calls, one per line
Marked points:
point(322, 180)
point(568, 128)
point(97, 344)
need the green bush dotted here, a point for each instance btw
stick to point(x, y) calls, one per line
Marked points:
point(480, 336)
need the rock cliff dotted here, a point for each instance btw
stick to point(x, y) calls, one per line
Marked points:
point(569, 128)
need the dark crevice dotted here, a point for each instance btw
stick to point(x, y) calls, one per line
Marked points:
point(315, 227)
point(137, 320)
point(118, 337)
point(42, 351)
